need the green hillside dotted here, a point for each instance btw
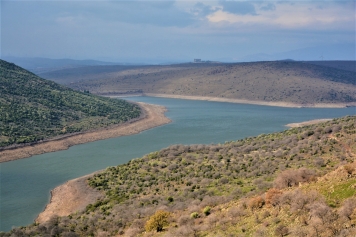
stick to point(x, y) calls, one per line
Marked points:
point(34, 109)
point(279, 184)
point(281, 81)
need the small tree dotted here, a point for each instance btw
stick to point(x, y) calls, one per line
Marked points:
point(290, 178)
point(272, 196)
point(256, 202)
point(157, 221)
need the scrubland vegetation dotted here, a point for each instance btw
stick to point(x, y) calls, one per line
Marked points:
point(299, 182)
point(280, 81)
point(33, 109)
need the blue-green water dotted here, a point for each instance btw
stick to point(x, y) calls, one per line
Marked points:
point(25, 184)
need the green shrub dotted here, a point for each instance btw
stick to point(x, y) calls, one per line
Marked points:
point(194, 215)
point(207, 210)
point(157, 221)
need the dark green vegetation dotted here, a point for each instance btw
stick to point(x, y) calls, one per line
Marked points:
point(247, 187)
point(281, 81)
point(34, 109)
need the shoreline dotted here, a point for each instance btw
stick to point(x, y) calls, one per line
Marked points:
point(306, 123)
point(153, 116)
point(70, 197)
point(74, 195)
point(242, 101)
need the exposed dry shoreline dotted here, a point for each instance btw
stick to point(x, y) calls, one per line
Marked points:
point(68, 197)
point(72, 196)
point(254, 102)
point(310, 122)
point(153, 116)
point(75, 194)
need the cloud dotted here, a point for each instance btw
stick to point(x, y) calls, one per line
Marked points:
point(202, 28)
point(159, 13)
point(296, 15)
point(201, 9)
point(268, 7)
point(237, 7)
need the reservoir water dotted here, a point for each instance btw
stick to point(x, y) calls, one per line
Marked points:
point(25, 184)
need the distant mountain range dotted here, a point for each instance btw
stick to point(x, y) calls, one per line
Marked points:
point(40, 65)
point(318, 53)
point(333, 52)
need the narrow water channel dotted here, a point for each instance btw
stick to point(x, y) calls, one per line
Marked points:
point(25, 184)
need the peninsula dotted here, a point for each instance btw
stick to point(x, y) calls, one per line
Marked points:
point(152, 116)
point(38, 115)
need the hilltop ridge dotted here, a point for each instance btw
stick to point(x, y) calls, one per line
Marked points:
point(299, 83)
point(33, 109)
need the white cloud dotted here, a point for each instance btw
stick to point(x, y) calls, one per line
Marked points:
point(211, 29)
point(300, 15)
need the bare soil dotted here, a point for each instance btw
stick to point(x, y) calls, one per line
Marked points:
point(301, 124)
point(255, 102)
point(153, 117)
point(70, 197)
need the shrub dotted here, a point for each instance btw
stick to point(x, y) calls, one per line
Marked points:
point(348, 208)
point(349, 168)
point(272, 196)
point(281, 230)
point(157, 221)
point(319, 162)
point(207, 210)
point(194, 215)
point(256, 202)
point(290, 178)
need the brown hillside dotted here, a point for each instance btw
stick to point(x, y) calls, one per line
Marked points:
point(339, 64)
point(294, 82)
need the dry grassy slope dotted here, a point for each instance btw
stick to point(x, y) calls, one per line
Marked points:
point(296, 82)
point(339, 64)
point(307, 215)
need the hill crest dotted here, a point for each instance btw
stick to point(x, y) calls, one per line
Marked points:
point(281, 81)
point(33, 109)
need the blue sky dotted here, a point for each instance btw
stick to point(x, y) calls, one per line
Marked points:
point(174, 31)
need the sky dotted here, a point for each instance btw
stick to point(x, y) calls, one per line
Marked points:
point(179, 31)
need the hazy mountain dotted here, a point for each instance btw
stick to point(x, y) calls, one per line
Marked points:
point(318, 53)
point(38, 65)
